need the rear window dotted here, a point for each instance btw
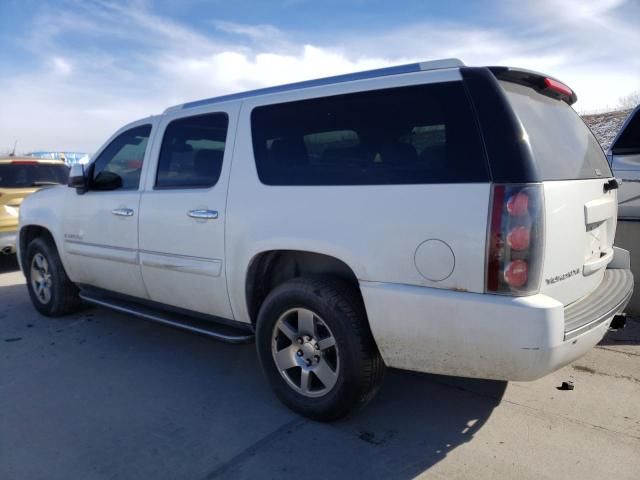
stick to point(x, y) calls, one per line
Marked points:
point(408, 135)
point(27, 175)
point(563, 146)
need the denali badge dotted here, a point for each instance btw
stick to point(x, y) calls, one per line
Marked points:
point(564, 276)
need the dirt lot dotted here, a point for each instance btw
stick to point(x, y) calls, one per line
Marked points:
point(101, 395)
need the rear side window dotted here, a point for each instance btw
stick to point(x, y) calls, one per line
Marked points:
point(563, 147)
point(31, 174)
point(408, 135)
point(192, 152)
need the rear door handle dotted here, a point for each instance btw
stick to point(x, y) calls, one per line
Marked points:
point(203, 214)
point(123, 212)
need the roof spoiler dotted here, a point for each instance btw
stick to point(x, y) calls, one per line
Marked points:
point(541, 83)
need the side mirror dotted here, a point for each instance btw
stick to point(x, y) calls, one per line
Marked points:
point(106, 181)
point(78, 178)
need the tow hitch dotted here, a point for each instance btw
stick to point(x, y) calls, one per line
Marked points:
point(618, 322)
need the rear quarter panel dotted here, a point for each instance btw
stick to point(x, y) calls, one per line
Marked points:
point(375, 230)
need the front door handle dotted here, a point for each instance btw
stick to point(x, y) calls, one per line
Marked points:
point(123, 212)
point(203, 214)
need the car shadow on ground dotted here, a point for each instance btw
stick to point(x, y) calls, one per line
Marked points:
point(629, 335)
point(8, 263)
point(132, 399)
point(415, 421)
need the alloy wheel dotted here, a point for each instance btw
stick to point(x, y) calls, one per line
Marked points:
point(305, 352)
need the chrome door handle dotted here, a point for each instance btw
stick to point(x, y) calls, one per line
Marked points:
point(123, 212)
point(203, 214)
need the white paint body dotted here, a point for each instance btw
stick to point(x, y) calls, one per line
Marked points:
point(426, 304)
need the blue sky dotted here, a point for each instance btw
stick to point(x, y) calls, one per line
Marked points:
point(74, 71)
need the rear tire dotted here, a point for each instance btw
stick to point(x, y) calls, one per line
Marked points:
point(316, 348)
point(51, 291)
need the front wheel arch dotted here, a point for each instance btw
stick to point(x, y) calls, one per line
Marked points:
point(27, 234)
point(63, 297)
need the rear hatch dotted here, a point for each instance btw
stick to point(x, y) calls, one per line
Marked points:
point(624, 156)
point(18, 179)
point(580, 202)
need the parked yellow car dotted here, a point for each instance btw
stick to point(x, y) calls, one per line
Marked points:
point(19, 177)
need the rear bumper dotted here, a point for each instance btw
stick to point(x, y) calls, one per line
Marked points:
point(8, 242)
point(488, 336)
point(609, 298)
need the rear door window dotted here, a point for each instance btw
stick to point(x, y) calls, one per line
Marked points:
point(27, 174)
point(192, 152)
point(407, 135)
point(563, 147)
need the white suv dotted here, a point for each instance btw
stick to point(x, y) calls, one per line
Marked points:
point(431, 217)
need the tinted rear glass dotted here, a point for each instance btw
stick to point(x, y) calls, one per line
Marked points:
point(563, 146)
point(408, 135)
point(26, 175)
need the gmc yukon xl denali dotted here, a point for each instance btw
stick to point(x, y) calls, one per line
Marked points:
point(431, 217)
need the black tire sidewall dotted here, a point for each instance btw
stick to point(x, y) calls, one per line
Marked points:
point(41, 246)
point(347, 391)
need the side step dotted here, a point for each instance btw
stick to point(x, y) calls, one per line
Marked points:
point(211, 329)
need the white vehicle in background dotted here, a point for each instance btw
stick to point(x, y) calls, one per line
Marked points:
point(624, 158)
point(432, 217)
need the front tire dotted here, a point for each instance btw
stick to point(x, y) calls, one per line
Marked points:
point(316, 348)
point(51, 291)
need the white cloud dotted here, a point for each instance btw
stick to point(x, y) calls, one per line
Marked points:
point(82, 94)
point(255, 32)
point(61, 66)
point(232, 71)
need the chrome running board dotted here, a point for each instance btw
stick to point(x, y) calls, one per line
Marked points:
point(217, 331)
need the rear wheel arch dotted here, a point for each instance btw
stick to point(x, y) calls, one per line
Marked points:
point(269, 269)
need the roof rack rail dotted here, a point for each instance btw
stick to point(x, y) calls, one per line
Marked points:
point(379, 72)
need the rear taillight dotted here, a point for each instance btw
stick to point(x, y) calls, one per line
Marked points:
point(515, 240)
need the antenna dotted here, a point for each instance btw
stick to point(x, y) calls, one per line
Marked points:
point(13, 152)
